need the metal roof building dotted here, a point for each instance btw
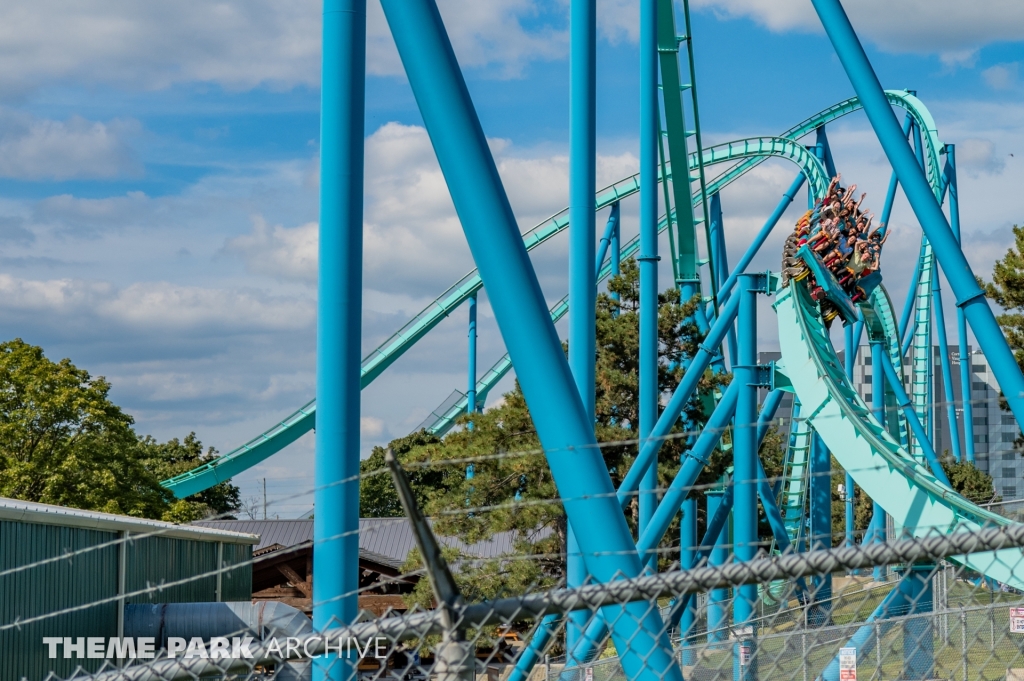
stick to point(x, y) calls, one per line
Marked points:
point(68, 573)
point(385, 540)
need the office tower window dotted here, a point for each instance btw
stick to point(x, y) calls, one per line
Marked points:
point(980, 420)
point(1009, 472)
point(867, 397)
point(979, 385)
point(1008, 420)
point(1009, 437)
point(1009, 456)
point(981, 439)
point(978, 368)
point(1009, 491)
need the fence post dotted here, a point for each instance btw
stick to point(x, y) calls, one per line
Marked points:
point(803, 646)
point(992, 623)
point(878, 648)
point(963, 639)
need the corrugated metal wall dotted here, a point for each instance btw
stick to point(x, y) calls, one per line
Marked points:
point(237, 583)
point(92, 576)
point(51, 587)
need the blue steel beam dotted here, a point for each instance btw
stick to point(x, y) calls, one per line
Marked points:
point(820, 535)
point(852, 341)
point(471, 360)
point(720, 258)
point(718, 614)
point(961, 320)
point(821, 139)
point(688, 561)
point(745, 441)
point(905, 403)
point(611, 229)
point(582, 282)
point(890, 194)
point(969, 295)
point(563, 426)
point(339, 311)
point(876, 529)
point(648, 256)
point(947, 370)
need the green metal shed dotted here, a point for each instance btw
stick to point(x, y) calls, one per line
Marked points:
point(68, 573)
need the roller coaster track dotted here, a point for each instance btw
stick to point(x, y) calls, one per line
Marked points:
point(747, 154)
point(902, 485)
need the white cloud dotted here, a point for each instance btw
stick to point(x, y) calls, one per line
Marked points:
point(1001, 76)
point(39, 149)
point(156, 306)
point(413, 241)
point(977, 156)
point(277, 251)
point(236, 44)
point(370, 427)
point(946, 27)
point(483, 34)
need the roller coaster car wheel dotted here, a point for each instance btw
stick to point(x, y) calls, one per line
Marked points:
point(802, 275)
point(830, 315)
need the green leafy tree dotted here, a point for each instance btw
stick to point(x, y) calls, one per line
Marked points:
point(509, 466)
point(63, 441)
point(1007, 290)
point(167, 459)
point(968, 481)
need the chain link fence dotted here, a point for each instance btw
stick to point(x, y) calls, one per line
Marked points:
point(812, 615)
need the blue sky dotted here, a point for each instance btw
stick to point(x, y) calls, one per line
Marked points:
point(158, 179)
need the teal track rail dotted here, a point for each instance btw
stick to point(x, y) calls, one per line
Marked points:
point(795, 476)
point(746, 154)
point(880, 324)
point(919, 504)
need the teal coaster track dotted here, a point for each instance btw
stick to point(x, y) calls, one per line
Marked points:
point(745, 154)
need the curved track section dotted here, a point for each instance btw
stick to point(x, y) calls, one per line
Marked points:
point(747, 153)
point(302, 421)
point(904, 487)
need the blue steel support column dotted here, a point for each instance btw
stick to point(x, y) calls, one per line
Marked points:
point(718, 614)
point(610, 229)
point(908, 310)
point(339, 329)
point(877, 526)
point(961, 321)
point(947, 370)
point(918, 637)
point(969, 295)
point(745, 442)
point(821, 525)
point(821, 139)
point(851, 361)
point(471, 363)
point(721, 260)
point(648, 257)
point(903, 400)
point(563, 426)
point(890, 194)
point(616, 249)
point(582, 284)
point(687, 556)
